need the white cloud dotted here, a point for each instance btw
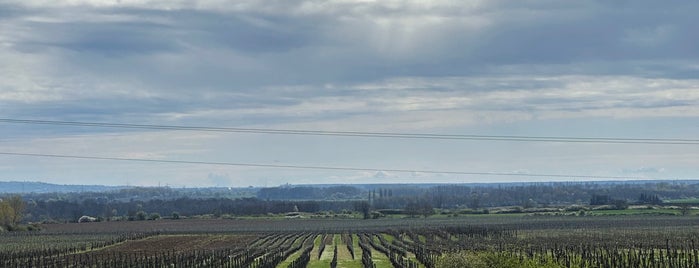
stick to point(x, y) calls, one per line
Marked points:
point(492, 67)
point(644, 170)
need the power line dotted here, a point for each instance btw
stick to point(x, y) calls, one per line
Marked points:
point(336, 168)
point(364, 134)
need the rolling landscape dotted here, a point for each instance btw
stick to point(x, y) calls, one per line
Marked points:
point(558, 224)
point(349, 133)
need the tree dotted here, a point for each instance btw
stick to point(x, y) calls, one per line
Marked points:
point(5, 212)
point(596, 200)
point(412, 209)
point(684, 209)
point(11, 211)
point(421, 207)
point(364, 208)
point(154, 216)
point(529, 203)
point(426, 209)
point(649, 199)
point(18, 206)
point(620, 204)
point(475, 201)
point(141, 215)
point(114, 213)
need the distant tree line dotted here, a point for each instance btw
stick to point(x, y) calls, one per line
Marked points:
point(140, 210)
point(649, 199)
point(417, 200)
point(343, 192)
point(146, 193)
point(543, 194)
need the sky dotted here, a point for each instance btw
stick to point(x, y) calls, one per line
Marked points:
point(624, 69)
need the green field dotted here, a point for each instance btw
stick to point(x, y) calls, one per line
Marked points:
point(321, 259)
point(635, 212)
point(683, 201)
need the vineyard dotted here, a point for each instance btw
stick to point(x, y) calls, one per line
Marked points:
point(623, 241)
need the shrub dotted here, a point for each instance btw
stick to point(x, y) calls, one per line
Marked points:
point(17, 228)
point(34, 227)
point(154, 216)
point(461, 260)
point(141, 215)
point(489, 260)
point(376, 215)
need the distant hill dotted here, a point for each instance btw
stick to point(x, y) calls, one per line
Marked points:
point(319, 191)
point(42, 187)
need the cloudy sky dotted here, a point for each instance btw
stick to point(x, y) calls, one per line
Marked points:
point(624, 69)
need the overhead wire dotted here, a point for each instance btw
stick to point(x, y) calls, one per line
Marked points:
point(433, 136)
point(343, 134)
point(313, 167)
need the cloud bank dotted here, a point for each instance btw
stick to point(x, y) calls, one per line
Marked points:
point(492, 67)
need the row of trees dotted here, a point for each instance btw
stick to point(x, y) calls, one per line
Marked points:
point(11, 212)
point(310, 193)
point(493, 195)
point(61, 210)
point(416, 200)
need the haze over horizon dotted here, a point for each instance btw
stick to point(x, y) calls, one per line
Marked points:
point(621, 69)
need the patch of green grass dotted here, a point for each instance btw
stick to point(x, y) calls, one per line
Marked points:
point(319, 263)
point(316, 246)
point(422, 238)
point(293, 256)
point(290, 259)
point(388, 237)
point(344, 258)
point(663, 211)
point(380, 259)
point(325, 257)
point(683, 201)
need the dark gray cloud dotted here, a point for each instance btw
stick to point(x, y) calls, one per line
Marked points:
point(107, 60)
point(539, 67)
point(240, 49)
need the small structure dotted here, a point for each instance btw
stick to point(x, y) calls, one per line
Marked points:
point(86, 218)
point(293, 215)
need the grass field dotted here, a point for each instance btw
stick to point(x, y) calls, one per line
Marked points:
point(635, 212)
point(325, 257)
point(693, 201)
point(344, 258)
point(293, 256)
point(380, 259)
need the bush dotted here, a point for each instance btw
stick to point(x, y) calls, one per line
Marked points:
point(575, 208)
point(34, 227)
point(376, 215)
point(620, 204)
point(17, 228)
point(141, 215)
point(489, 260)
point(460, 260)
point(154, 216)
